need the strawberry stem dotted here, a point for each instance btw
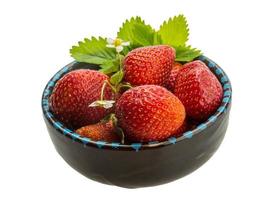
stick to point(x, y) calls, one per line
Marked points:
point(106, 82)
point(125, 85)
point(120, 58)
point(102, 90)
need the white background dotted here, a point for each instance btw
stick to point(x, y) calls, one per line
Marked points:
point(35, 38)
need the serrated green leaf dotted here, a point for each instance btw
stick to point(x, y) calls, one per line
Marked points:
point(157, 38)
point(136, 32)
point(117, 77)
point(175, 31)
point(186, 53)
point(126, 31)
point(109, 67)
point(108, 63)
point(92, 51)
point(143, 35)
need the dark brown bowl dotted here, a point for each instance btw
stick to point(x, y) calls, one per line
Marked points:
point(139, 164)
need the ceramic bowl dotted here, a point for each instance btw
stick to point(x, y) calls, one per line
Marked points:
point(139, 164)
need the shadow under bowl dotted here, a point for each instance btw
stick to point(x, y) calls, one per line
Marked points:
point(139, 164)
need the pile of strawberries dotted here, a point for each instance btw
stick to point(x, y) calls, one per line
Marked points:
point(165, 100)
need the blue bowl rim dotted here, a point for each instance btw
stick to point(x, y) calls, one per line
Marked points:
point(216, 69)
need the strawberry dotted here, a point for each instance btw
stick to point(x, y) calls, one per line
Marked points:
point(169, 83)
point(74, 92)
point(149, 113)
point(103, 131)
point(198, 89)
point(181, 129)
point(148, 65)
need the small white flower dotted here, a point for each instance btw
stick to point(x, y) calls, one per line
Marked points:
point(118, 44)
point(104, 104)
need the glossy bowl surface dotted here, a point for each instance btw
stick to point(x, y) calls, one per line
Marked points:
point(139, 164)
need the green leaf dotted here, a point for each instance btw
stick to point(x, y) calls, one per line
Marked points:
point(186, 53)
point(157, 39)
point(109, 66)
point(136, 32)
point(117, 77)
point(126, 31)
point(92, 51)
point(175, 31)
point(143, 35)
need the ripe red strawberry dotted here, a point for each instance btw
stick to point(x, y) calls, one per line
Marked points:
point(181, 129)
point(99, 132)
point(74, 92)
point(198, 89)
point(169, 83)
point(149, 113)
point(149, 65)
